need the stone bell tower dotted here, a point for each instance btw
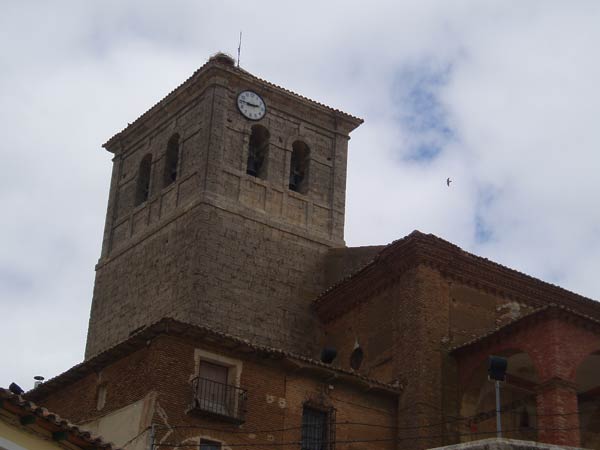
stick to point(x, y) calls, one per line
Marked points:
point(224, 199)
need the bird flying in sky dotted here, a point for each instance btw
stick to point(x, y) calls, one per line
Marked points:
point(448, 181)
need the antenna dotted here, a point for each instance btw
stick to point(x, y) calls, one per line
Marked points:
point(239, 49)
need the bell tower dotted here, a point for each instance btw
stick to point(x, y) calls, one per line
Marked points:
point(224, 199)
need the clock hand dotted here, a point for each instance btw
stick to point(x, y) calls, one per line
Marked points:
point(251, 104)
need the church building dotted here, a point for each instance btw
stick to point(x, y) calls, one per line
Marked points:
point(229, 313)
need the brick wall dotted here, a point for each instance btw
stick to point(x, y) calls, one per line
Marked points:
point(406, 327)
point(275, 399)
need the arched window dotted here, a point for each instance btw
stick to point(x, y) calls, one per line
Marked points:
point(143, 180)
point(171, 161)
point(258, 152)
point(299, 166)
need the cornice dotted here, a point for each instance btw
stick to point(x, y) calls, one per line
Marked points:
point(163, 109)
point(451, 262)
point(548, 312)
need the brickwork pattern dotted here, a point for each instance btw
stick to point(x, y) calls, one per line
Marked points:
point(407, 327)
point(275, 399)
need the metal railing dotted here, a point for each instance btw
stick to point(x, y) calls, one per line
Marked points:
point(218, 399)
point(318, 429)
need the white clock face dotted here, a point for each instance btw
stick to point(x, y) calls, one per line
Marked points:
point(251, 105)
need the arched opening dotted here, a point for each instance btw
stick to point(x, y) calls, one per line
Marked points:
point(587, 379)
point(517, 400)
point(143, 180)
point(171, 161)
point(258, 152)
point(299, 167)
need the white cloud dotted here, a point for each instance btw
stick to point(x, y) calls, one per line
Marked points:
point(518, 93)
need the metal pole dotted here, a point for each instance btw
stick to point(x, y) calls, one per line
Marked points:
point(498, 415)
point(152, 437)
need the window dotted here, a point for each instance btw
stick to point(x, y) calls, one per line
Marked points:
point(205, 444)
point(258, 152)
point(318, 428)
point(214, 394)
point(299, 166)
point(215, 386)
point(143, 180)
point(171, 161)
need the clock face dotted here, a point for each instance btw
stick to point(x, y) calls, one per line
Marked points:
point(251, 105)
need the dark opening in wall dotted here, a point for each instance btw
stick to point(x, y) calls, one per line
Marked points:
point(205, 444)
point(143, 180)
point(171, 161)
point(258, 152)
point(318, 428)
point(299, 167)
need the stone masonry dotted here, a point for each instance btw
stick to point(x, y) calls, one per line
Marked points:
point(218, 246)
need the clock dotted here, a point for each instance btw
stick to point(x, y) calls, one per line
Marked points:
point(251, 105)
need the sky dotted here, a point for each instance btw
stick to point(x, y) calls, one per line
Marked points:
point(500, 96)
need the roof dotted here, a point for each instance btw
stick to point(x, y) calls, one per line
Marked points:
point(52, 422)
point(452, 261)
point(218, 61)
point(169, 326)
point(510, 326)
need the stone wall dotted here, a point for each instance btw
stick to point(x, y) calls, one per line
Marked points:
point(219, 247)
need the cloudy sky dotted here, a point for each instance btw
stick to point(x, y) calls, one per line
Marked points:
point(500, 96)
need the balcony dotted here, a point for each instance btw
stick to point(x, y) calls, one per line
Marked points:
point(218, 400)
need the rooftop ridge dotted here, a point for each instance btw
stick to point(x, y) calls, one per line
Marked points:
point(172, 326)
point(54, 419)
point(420, 248)
point(512, 323)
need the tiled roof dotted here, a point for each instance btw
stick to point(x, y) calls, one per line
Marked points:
point(76, 435)
point(508, 326)
point(419, 248)
point(171, 326)
point(217, 62)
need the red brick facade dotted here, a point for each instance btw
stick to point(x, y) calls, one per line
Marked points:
point(558, 341)
point(277, 390)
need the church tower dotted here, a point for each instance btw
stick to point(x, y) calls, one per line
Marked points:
point(224, 199)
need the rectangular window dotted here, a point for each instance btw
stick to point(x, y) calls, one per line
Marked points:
point(317, 429)
point(205, 444)
point(216, 387)
point(215, 394)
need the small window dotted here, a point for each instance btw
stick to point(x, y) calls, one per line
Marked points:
point(143, 180)
point(258, 152)
point(216, 387)
point(213, 392)
point(356, 357)
point(205, 444)
point(318, 428)
point(299, 166)
point(171, 161)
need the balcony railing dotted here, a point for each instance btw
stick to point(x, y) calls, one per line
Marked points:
point(218, 400)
